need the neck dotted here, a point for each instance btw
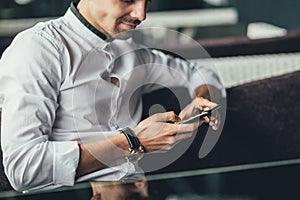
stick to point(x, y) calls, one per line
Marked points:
point(83, 9)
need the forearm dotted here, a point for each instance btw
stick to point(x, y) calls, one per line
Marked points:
point(208, 92)
point(101, 154)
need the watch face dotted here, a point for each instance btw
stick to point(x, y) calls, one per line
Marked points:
point(136, 154)
point(135, 157)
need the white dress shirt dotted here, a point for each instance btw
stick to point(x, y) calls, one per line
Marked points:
point(55, 81)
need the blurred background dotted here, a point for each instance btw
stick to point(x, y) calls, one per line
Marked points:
point(197, 18)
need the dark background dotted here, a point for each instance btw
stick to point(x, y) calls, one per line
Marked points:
point(284, 13)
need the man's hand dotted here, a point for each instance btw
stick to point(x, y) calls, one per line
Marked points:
point(118, 190)
point(160, 132)
point(198, 105)
point(157, 133)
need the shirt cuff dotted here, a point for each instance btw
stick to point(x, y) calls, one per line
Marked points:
point(115, 173)
point(208, 77)
point(66, 159)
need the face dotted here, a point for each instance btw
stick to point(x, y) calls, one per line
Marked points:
point(113, 16)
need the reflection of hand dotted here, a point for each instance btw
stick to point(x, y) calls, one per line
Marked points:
point(160, 132)
point(117, 190)
point(198, 105)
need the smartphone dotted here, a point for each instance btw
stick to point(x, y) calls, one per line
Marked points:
point(200, 116)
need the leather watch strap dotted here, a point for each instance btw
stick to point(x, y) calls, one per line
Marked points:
point(131, 138)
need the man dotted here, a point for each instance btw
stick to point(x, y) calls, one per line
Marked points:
point(66, 85)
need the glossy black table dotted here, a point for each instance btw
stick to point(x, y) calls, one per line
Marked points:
point(268, 180)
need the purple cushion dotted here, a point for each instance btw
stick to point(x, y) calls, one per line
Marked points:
point(262, 121)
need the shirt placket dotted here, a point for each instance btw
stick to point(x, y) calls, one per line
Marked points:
point(117, 98)
point(112, 122)
point(114, 109)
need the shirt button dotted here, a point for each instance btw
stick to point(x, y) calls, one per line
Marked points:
point(114, 125)
point(107, 56)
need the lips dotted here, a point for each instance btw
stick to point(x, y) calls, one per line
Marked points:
point(130, 25)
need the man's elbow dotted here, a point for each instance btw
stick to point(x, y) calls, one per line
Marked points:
point(17, 178)
point(26, 171)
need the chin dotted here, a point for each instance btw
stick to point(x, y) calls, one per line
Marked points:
point(123, 34)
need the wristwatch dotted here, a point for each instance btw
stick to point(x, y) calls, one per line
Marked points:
point(136, 150)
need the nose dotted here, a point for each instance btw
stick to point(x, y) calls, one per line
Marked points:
point(139, 10)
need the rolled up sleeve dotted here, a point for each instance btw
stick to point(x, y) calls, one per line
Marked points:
point(175, 72)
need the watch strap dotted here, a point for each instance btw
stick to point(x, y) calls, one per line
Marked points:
point(132, 139)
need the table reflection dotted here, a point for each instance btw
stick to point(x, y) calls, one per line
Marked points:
point(269, 180)
point(119, 190)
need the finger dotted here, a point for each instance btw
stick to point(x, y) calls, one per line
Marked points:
point(215, 122)
point(205, 104)
point(182, 115)
point(189, 127)
point(166, 117)
point(183, 136)
point(206, 119)
point(177, 118)
point(214, 126)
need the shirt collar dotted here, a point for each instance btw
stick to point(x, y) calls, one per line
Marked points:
point(85, 22)
point(75, 25)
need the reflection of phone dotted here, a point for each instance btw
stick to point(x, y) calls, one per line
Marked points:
point(200, 116)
